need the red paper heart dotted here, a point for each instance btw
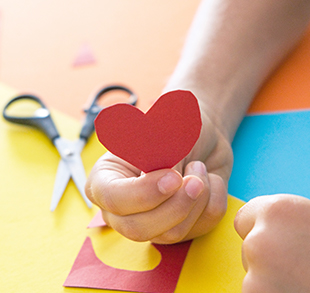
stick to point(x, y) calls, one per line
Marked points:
point(155, 140)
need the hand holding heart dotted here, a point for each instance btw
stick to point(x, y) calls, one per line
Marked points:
point(161, 204)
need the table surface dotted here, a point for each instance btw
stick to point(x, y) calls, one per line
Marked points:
point(129, 42)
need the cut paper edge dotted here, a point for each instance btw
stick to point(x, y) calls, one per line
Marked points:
point(90, 272)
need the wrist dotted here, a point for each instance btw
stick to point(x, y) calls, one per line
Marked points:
point(212, 108)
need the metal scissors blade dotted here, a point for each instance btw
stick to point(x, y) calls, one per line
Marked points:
point(62, 178)
point(70, 165)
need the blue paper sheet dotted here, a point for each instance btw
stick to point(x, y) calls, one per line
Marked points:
point(272, 155)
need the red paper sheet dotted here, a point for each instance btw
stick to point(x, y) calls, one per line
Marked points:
point(155, 140)
point(89, 271)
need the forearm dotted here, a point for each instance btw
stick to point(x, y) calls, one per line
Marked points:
point(232, 46)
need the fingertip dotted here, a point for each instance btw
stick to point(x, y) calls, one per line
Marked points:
point(194, 186)
point(246, 217)
point(169, 182)
point(196, 179)
point(217, 205)
point(197, 168)
point(89, 191)
point(237, 220)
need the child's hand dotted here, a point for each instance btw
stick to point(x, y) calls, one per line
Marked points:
point(165, 206)
point(276, 247)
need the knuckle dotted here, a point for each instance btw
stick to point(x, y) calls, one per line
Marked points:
point(249, 249)
point(256, 248)
point(102, 196)
point(252, 283)
point(142, 201)
point(180, 210)
point(132, 230)
point(88, 191)
point(109, 205)
point(218, 211)
point(279, 206)
point(172, 236)
point(217, 204)
point(179, 214)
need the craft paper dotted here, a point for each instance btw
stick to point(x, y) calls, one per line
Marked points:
point(89, 272)
point(272, 155)
point(84, 56)
point(150, 281)
point(52, 241)
point(212, 265)
point(158, 139)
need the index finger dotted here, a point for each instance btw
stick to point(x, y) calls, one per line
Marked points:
point(248, 215)
point(119, 194)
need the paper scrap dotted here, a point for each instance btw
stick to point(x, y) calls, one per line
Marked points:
point(90, 272)
point(84, 56)
point(97, 221)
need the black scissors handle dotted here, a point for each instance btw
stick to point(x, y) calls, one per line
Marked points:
point(94, 108)
point(41, 118)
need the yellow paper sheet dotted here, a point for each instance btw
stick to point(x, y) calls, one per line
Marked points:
point(38, 247)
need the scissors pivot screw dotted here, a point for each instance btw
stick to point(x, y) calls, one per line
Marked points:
point(68, 152)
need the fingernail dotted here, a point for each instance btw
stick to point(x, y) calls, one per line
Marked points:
point(194, 187)
point(200, 168)
point(169, 183)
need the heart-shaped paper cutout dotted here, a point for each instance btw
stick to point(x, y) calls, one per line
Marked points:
point(158, 139)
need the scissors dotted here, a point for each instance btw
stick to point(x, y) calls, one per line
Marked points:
point(70, 165)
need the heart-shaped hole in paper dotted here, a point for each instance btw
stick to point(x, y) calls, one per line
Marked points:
point(119, 252)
